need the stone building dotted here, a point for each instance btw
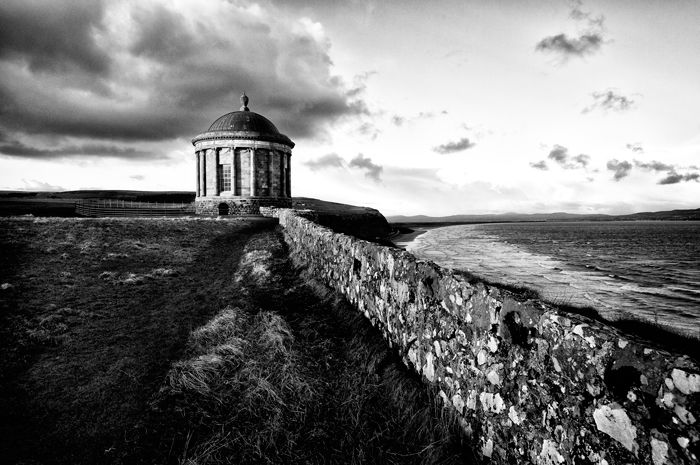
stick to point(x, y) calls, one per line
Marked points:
point(243, 163)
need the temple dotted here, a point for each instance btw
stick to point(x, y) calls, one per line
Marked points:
point(243, 163)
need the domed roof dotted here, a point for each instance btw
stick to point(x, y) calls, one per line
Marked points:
point(244, 124)
point(244, 121)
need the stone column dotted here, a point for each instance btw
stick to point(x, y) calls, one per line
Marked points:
point(232, 149)
point(211, 172)
point(270, 157)
point(253, 191)
point(196, 157)
point(283, 175)
point(203, 173)
point(217, 187)
point(289, 175)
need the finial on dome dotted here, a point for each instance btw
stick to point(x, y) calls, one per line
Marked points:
point(244, 102)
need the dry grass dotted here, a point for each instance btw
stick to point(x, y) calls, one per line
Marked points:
point(94, 313)
point(234, 357)
point(295, 375)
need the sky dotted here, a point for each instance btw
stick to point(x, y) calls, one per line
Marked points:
point(411, 107)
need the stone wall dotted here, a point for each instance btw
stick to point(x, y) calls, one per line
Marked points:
point(238, 206)
point(530, 383)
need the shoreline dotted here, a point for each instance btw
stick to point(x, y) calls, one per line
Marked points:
point(403, 240)
point(451, 258)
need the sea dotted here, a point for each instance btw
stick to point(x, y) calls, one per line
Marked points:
point(641, 270)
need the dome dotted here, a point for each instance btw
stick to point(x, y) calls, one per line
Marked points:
point(244, 124)
point(244, 121)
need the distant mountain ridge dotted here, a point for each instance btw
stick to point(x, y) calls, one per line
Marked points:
point(671, 215)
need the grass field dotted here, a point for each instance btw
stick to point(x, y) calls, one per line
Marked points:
point(194, 341)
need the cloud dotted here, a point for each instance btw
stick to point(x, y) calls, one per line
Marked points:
point(675, 178)
point(18, 149)
point(587, 42)
point(540, 165)
point(623, 168)
point(609, 100)
point(560, 155)
point(457, 146)
point(397, 120)
point(578, 14)
point(331, 160)
point(369, 129)
point(654, 166)
point(581, 160)
point(360, 162)
point(636, 147)
point(565, 46)
point(620, 168)
point(42, 186)
point(53, 36)
point(128, 71)
point(373, 171)
point(137, 177)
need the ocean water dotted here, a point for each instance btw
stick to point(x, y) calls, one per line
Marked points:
point(648, 270)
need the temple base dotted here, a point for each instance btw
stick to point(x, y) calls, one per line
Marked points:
point(223, 206)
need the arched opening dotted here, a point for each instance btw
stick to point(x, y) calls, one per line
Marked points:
point(223, 209)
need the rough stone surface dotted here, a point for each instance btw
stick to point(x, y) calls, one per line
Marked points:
point(531, 383)
point(240, 206)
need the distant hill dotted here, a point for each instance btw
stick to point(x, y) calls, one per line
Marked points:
point(672, 215)
point(136, 196)
point(363, 222)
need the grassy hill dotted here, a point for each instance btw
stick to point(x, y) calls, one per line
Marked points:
point(130, 341)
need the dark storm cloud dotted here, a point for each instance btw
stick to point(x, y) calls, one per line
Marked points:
point(620, 168)
point(457, 146)
point(675, 178)
point(540, 165)
point(171, 76)
point(560, 155)
point(372, 170)
point(53, 36)
point(609, 100)
point(17, 149)
point(565, 46)
point(162, 34)
point(331, 160)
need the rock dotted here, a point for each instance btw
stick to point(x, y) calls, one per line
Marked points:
point(613, 420)
point(659, 451)
point(458, 403)
point(487, 449)
point(685, 382)
point(549, 455)
point(429, 368)
point(492, 402)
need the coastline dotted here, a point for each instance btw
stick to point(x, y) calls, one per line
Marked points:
point(403, 240)
point(552, 281)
